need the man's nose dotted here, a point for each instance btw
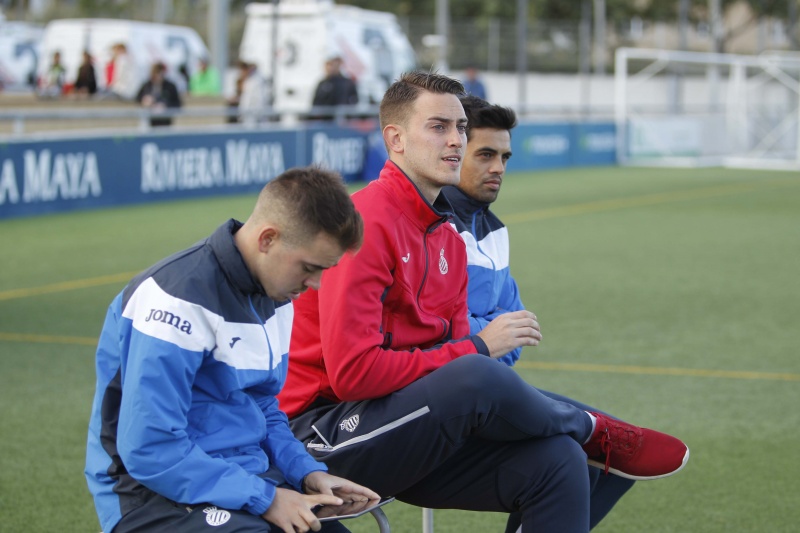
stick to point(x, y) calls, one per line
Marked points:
point(457, 138)
point(497, 167)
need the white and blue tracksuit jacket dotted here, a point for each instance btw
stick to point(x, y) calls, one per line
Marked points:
point(492, 291)
point(190, 359)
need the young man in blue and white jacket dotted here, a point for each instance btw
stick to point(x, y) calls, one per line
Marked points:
point(492, 290)
point(185, 431)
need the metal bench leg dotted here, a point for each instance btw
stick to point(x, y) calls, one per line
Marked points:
point(427, 520)
point(380, 517)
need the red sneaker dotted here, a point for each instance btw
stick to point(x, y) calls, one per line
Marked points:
point(633, 452)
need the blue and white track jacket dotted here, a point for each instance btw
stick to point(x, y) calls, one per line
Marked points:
point(492, 291)
point(190, 359)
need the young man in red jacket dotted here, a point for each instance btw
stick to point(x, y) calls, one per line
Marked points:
point(388, 387)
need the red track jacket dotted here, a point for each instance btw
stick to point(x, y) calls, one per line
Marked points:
point(390, 314)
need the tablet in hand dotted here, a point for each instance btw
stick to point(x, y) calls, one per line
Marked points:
point(327, 513)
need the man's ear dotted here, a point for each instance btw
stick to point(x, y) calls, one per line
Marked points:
point(394, 139)
point(267, 238)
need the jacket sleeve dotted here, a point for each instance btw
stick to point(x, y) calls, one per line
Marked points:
point(283, 449)
point(174, 96)
point(158, 371)
point(351, 312)
point(143, 90)
point(508, 300)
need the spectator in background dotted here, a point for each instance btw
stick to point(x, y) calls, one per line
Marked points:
point(86, 81)
point(333, 90)
point(52, 85)
point(120, 76)
point(108, 72)
point(159, 94)
point(234, 99)
point(472, 84)
point(182, 82)
point(205, 81)
point(254, 100)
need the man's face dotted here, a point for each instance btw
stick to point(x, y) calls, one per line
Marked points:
point(434, 140)
point(484, 165)
point(333, 66)
point(286, 270)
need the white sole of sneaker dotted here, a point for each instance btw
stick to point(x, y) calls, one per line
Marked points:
point(616, 472)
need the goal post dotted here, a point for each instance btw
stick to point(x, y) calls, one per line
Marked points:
point(679, 108)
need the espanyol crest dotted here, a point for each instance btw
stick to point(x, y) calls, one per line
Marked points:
point(349, 424)
point(442, 262)
point(216, 517)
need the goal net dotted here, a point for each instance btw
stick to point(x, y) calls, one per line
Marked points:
point(701, 109)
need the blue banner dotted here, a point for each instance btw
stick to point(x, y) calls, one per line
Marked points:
point(38, 177)
point(558, 145)
point(53, 176)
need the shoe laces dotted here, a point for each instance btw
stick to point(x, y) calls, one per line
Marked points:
point(622, 440)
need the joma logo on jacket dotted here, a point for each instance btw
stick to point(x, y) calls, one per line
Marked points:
point(159, 315)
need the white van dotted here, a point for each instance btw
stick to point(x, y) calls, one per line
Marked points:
point(374, 49)
point(146, 44)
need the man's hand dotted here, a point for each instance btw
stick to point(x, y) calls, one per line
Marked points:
point(291, 511)
point(510, 331)
point(320, 482)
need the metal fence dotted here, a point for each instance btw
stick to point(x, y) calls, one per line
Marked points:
point(489, 44)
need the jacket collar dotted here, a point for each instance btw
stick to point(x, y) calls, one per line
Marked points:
point(410, 198)
point(462, 203)
point(230, 260)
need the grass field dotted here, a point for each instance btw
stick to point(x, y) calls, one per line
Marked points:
point(667, 297)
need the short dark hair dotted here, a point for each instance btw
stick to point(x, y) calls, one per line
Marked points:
point(394, 106)
point(482, 114)
point(310, 200)
point(158, 68)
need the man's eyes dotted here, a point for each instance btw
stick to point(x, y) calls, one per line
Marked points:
point(441, 127)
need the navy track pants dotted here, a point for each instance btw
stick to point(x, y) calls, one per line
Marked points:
point(471, 435)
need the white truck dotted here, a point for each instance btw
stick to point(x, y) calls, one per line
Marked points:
point(146, 44)
point(372, 45)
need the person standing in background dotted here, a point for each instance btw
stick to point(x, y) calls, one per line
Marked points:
point(86, 81)
point(120, 75)
point(159, 94)
point(52, 85)
point(254, 98)
point(335, 89)
point(472, 84)
point(205, 80)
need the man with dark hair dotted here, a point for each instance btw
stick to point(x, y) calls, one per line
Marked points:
point(158, 94)
point(388, 386)
point(335, 89)
point(185, 430)
point(492, 290)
